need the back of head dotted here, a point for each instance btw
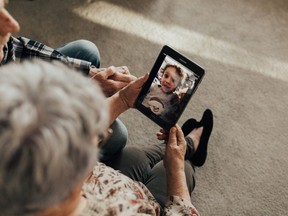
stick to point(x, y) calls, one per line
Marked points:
point(48, 116)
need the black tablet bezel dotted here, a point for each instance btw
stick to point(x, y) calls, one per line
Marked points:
point(182, 60)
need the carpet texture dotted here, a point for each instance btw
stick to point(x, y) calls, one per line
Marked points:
point(243, 47)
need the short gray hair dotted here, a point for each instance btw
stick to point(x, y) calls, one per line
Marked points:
point(48, 116)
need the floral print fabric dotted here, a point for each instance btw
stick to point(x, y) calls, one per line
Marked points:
point(108, 192)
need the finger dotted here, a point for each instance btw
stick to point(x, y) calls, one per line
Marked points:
point(163, 131)
point(161, 136)
point(141, 80)
point(159, 133)
point(110, 71)
point(123, 69)
point(102, 73)
point(94, 71)
point(123, 77)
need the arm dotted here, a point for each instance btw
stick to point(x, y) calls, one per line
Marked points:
point(25, 48)
point(110, 79)
point(174, 164)
point(178, 193)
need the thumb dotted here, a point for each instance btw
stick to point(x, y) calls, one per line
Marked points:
point(172, 137)
point(141, 80)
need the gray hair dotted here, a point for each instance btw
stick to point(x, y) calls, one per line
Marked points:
point(48, 117)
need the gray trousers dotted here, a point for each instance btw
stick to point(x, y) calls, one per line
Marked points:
point(145, 164)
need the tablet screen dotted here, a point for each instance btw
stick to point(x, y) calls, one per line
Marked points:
point(170, 86)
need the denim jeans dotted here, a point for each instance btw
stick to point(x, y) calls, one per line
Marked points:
point(88, 51)
point(82, 49)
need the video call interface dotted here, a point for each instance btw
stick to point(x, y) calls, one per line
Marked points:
point(163, 96)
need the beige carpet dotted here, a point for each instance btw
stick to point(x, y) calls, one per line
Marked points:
point(243, 47)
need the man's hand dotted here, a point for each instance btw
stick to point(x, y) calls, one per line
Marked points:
point(175, 150)
point(111, 79)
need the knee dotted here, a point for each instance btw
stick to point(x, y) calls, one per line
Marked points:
point(87, 45)
point(116, 143)
point(190, 173)
point(120, 133)
point(90, 51)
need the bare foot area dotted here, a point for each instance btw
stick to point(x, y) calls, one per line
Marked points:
point(195, 135)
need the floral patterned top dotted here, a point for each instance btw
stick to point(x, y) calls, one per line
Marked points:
point(108, 193)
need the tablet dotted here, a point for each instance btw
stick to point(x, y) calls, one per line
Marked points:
point(172, 81)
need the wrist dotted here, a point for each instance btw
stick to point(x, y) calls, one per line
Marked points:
point(116, 106)
point(175, 168)
point(175, 173)
point(177, 186)
point(121, 101)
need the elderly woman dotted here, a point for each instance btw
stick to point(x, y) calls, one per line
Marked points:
point(52, 122)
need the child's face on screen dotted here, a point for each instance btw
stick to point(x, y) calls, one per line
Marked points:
point(170, 80)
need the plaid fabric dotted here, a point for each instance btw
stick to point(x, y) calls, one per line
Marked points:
point(21, 48)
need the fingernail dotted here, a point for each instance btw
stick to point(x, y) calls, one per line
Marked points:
point(173, 129)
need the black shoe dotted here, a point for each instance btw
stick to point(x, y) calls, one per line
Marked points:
point(188, 126)
point(200, 154)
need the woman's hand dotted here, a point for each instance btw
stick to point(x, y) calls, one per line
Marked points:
point(162, 135)
point(175, 150)
point(174, 164)
point(131, 91)
point(125, 98)
point(111, 79)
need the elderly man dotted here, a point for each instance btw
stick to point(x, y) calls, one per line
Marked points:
point(81, 54)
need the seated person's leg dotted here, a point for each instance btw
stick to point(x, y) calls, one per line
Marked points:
point(82, 49)
point(132, 162)
point(88, 51)
point(115, 143)
point(136, 162)
point(198, 134)
point(157, 183)
point(197, 142)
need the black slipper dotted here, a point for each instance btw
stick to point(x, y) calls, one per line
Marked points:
point(188, 126)
point(206, 122)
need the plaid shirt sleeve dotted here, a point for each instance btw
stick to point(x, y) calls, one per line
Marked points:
point(21, 48)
